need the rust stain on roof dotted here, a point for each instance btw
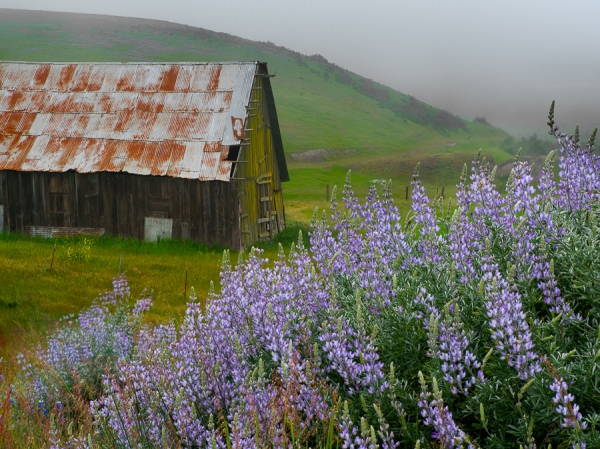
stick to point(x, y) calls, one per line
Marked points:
point(237, 124)
point(214, 78)
point(26, 122)
point(80, 83)
point(37, 101)
point(147, 119)
point(18, 153)
point(70, 147)
point(14, 101)
point(125, 81)
point(66, 75)
point(13, 123)
point(40, 77)
point(169, 79)
point(212, 147)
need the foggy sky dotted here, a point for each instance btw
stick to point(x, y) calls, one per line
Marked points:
point(504, 60)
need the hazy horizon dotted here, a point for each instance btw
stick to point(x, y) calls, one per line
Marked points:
point(505, 62)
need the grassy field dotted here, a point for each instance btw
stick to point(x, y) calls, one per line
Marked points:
point(348, 121)
point(33, 296)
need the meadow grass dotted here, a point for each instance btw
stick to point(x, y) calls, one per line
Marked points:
point(33, 296)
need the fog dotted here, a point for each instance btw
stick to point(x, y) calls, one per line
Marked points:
point(503, 60)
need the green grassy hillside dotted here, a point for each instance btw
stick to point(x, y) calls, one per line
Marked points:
point(376, 131)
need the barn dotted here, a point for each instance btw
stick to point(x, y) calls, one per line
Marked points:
point(141, 150)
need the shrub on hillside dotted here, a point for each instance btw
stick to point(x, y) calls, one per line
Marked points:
point(530, 146)
point(469, 326)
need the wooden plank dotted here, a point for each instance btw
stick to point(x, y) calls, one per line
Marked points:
point(139, 207)
point(56, 231)
point(74, 178)
point(130, 214)
point(145, 198)
point(154, 188)
point(35, 198)
point(55, 183)
point(5, 199)
point(184, 232)
point(121, 202)
point(44, 192)
point(106, 203)
point(92, 207)
point(206, 213)
point(185, 200)
point(158, 205)
point(175, 193)
point(192, 220)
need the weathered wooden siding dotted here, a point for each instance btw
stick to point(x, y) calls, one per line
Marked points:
point(257, 174)
point(204, 211)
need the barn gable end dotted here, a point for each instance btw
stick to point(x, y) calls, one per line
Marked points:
point(134, 149)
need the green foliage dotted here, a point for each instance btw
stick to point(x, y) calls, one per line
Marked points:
point(78, 250)
point(531, 146)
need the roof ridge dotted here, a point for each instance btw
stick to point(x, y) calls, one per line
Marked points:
point(2, 61)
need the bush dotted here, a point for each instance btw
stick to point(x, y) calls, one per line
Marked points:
point(530, 146)
point(78, 250)
point(468, 326)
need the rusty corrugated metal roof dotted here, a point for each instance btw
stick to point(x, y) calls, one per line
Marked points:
point(148, 119)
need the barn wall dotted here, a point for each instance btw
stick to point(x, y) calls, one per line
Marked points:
point(257, 174)
point(203, 211)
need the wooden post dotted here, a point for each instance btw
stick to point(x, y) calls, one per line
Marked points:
point(120, 262)
point(443, 191)
point(437, 189)
point(185, 284)
point(327, 194)
point(52, 261)
point(407, 192)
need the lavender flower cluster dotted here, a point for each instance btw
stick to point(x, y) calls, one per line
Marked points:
point(330, 346)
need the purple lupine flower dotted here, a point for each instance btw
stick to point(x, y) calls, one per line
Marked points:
point(488, 204)
point(544, 273)
point(425, 221)
point(579, 177)
point(351, 354)
point(460, 239)
point(121, 286)
point(508, 321)
point(448, 342)
point(565, 405)
point(519, 219)
point(545, 199)
point(459, 365)
point(436, 414)
point(368, 243)
point(427, 301)
point(86, 346)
